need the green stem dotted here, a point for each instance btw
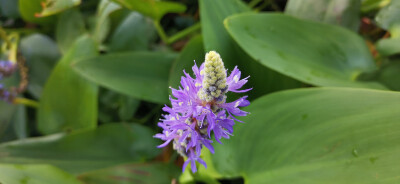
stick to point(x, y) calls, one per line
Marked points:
point(253, 3)
point(184, 33)
point(177, 36)
point(161, 31)
point(27, 102)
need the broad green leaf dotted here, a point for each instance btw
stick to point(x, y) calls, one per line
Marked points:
point(51, 7)
point(319, 135)
point(193, 52)
point(315, 53)
point(34, 174)
point(41, 54)
point(338, 12)
point(28, 9)
point(70, 26)
point(389, 74)
point(153, 8)
point(370, 5)
point(387, 47)
point(143, 75)
point(135, 32)
point(147, 173)
point(102, 23)
point(84, 150)
point(215, 37)
point(69, 102)
point(388, 16)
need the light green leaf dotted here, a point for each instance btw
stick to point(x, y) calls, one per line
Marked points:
point(147, 173)
point(153, 8)
point(338, 12)
point(319, 135)
point(134, 33)
point(28, 9)
point(84, 150)
point(41, 54)
point(102, 23)
point(389, 15)
point(371, 5)
point(70, 26)
point(387, 47)
point(215, 37)
point(388, 18)
point(143, 75)
point(56, 6)
point(315, 53)
point(34, 174)
point(193, 51)
point(69, 102)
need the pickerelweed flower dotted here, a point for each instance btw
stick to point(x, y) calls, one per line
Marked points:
point(199, 109)
point(7, 68)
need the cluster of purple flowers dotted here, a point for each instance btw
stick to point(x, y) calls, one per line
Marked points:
point(200, 110)
point(7, 68)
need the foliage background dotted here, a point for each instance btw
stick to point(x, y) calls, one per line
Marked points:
point(325, 76)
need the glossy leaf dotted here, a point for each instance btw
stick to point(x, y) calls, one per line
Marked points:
point(134, 33)
point(388, 17)
point(70, 26)
point(216, 38)
point(84, 150)
point(370, 5)
point(294, 136)
point(56, 6)
point(387, 47)
point(41, 54)
point(148, 173)
point(153, 8)
point(315, 53)
point(193, 52)
point(143, 75)
point(34, 174)
point(28, 9)
point(337, 12)
point(102, 22)
point(69, 102)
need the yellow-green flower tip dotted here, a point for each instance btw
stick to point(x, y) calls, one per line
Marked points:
point(214, 80)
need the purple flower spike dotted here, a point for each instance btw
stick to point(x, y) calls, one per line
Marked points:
point(200, 111)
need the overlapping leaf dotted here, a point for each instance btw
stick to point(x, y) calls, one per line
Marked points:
point(34, 174)
point(153, 8)
point(216, 38)
point(315, 53)
point(337, 12)
point(143, 75)
point(85, 150)
point(320, 135)
point(69, 102)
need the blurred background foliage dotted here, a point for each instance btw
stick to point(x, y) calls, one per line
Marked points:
point(324, 73)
